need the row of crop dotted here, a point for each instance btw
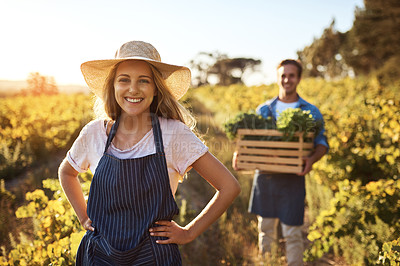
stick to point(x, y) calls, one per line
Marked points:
point(357, 180)
point(363, 130)
point(359, 220)
point(56, 231)
point(34, 128)
point(54, 237)
point(361, 121)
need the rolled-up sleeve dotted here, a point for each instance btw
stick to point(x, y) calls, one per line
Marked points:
point(187, 148)
point(77, 155)
point(321, 137)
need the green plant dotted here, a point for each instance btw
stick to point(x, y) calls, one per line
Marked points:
point(390, 253)
point(57, 231)
point(34, 128)
point(293, 120)
point(360, 217)
point(7, 204)
point(249, 120)
point(289, 122)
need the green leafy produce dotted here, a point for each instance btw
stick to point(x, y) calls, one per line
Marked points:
point(290, 121)
point(249, 120)
point(294, 120)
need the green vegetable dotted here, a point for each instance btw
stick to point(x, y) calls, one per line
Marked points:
point(289, 121)
point(249, 120)
point(293, 120)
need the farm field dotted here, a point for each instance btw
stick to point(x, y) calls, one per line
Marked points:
point(353, 193)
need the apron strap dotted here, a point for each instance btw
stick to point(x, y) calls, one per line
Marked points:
point(111, 135)
point(157, 134)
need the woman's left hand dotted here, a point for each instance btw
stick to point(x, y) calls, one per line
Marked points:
point(170, 229)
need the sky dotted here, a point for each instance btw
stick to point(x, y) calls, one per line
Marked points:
point(54, 37)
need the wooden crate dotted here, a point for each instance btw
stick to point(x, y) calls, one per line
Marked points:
point(271, 156)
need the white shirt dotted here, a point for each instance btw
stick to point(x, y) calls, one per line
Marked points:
point(281, 106)
point(181, 146)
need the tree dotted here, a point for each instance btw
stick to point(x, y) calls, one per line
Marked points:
point(224, 70)
point(375, 35)
point(371, 46)
point(323, 58)
point(200, 65)
point(231, 70)
point(38, 85)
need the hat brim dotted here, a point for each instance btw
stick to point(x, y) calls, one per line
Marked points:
point(177, 78)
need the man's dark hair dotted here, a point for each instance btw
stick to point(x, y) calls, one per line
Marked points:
point(296, 63)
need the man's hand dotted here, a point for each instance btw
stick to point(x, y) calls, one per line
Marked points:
point(320, 150)
point(308, 163)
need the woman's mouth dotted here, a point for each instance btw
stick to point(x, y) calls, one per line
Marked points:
point(134, 100)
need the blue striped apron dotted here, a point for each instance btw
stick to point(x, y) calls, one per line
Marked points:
point(279, 196)
point(126, 198)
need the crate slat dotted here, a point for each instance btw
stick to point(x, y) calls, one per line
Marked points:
point(270, 159)
point(281, 152)
point(274, 144)
point(259, 132)
point(268, 132)
point(271, 168)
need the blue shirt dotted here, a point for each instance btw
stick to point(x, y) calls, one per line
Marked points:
point(269, 109)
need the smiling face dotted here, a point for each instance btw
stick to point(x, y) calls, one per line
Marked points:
point(134, 87)
point(288, 79)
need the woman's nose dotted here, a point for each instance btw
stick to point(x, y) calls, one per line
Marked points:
point(132, 88)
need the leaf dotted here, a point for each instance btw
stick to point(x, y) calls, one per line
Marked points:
point(313, 235)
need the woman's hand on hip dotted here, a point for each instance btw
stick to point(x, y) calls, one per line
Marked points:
point(174, 233)
point(87, 224)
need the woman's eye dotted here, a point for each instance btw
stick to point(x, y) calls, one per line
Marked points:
point(124, 80)
point(144, 81)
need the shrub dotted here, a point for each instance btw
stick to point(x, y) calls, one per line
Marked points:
point(360, 219)
point(390, 253)
point(57, 231)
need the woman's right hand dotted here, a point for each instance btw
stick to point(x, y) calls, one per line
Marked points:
point(87, 224)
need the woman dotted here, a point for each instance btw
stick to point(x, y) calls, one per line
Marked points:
point(138, 155)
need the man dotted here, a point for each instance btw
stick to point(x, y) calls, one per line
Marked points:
point(280, 197)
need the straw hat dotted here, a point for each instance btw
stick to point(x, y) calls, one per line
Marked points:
point(177, 78)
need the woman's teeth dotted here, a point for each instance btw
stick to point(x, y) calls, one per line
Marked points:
point(136, 100)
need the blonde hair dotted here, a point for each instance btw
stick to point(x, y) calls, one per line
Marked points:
point(164, 104)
